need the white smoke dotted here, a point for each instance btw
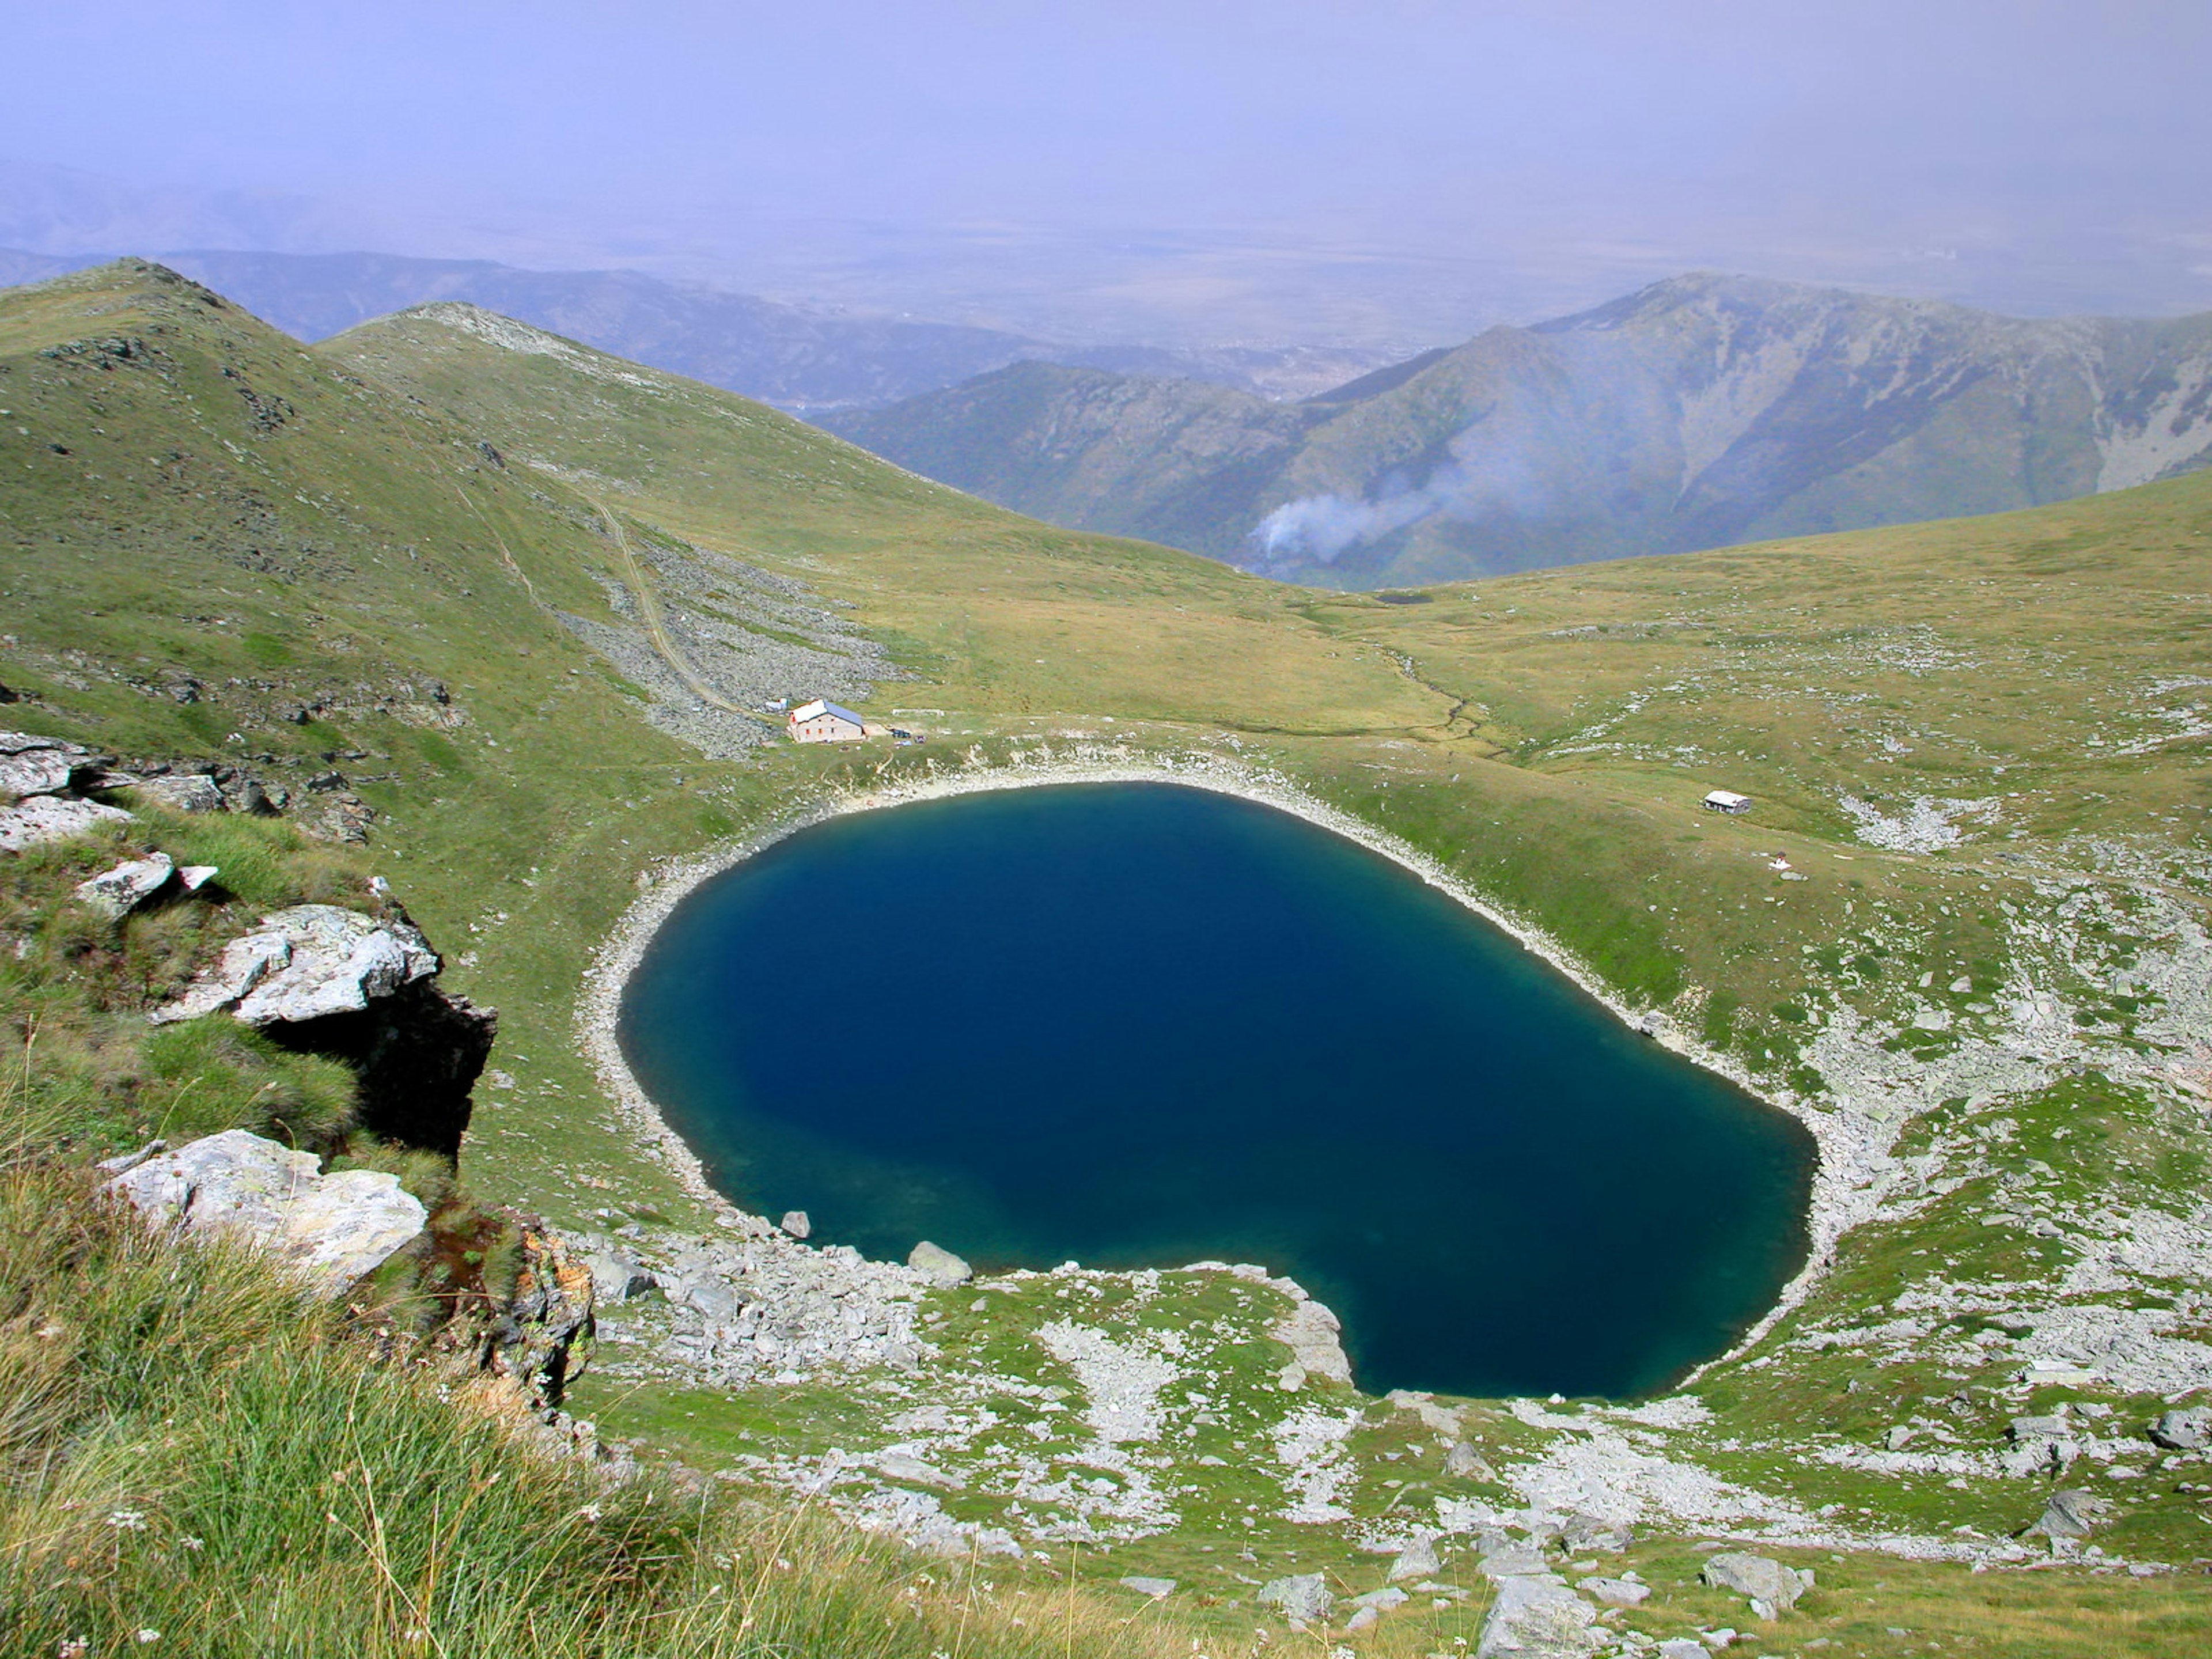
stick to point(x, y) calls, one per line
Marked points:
point(1322, 526)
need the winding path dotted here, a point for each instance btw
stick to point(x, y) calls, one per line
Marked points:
point(649, 607)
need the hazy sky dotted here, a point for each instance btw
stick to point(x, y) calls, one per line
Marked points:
point(2046, 155)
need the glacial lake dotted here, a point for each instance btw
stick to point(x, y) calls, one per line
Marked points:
point(1143, 1025)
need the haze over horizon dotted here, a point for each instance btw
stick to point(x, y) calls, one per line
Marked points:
point(1383, 175)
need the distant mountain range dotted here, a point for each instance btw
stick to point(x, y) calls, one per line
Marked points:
point(1701, 412)
point(803, 360)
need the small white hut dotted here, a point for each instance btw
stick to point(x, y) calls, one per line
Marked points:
point(825, 722)
point(1727, 801)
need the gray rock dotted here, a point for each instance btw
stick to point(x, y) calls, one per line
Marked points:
point(2040, 1445)
point(797, 1224)
point(2184, 1431)
point(245, 962)
point(124, 1162)
point(617, 1279)
point(901, 1465)
point(1595, 1532)
point(1614, 1592)
point(40, 766)
point(938, 1265)
point(2072, 1514)
point(1514, 1561)
point(114, 894)
point(1313, 1335)
point(253, 797)
point(1155, 1587)
point(1385, 1599)
point(1771, 1588)
point(50, 818)
point(334, 1228)
point(711, 1296)
point(304, 963)
point(1465, 1461)
point(1363, 1619)
point(185, 792)
point(1536, 1616)
point(1682, 1647)
point(193, 876)
point(1416, 1560)
point(1303, 1599)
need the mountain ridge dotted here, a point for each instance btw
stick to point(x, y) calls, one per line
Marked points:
point(798, 358)
point(1704, 410)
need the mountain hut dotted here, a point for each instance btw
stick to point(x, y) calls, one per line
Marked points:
point(825, 722)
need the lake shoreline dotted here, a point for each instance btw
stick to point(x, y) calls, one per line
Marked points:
point(1831, 1208)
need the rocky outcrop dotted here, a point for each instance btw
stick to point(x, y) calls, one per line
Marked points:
point(1313, 1335)
point(531, 1343)
point(33, 765)
point(40, 783)
point(324, 980)
point(52, 817)
point(333, 1229)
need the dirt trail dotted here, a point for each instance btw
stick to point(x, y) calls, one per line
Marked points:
point(649, 607)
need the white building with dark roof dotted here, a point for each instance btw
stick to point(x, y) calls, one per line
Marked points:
point(825, 722)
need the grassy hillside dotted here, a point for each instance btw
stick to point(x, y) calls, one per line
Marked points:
point(1983, 994)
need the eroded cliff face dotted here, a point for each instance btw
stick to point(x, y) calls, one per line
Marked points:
point(418, 1053)
point(359, 986)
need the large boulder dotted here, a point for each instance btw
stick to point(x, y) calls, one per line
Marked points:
point(1418, 1560)
point(938, 1265)
point(1536, 1616)
point(2040, 1445)
point(1615, 1592)
point(2184, 1431)
point(1464, 1461)
point(1303, 1598)
point(615, 1278)
point(1771, 1588)
point(333, 1229)
point(2070, 1515)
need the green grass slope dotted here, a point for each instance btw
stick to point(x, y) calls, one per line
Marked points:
point(1984, 989)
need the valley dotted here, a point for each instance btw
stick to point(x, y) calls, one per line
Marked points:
point(454, 560)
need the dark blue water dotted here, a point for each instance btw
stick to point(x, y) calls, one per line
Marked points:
point(1138, 1025)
